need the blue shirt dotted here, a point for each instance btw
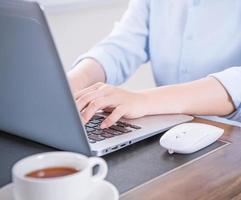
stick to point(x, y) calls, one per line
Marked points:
point(184, 40)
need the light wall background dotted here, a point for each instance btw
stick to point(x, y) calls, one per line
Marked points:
point(79, 26)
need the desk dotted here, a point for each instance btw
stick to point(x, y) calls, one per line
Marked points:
point(215, 176)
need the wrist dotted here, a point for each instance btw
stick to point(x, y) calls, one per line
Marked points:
point(163, 100)
point(85, 74)
point(77, 78)
point(147, 102)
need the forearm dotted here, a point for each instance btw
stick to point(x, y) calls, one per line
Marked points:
point(86, 73)
point(202, 97)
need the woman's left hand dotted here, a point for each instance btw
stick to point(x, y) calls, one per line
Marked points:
point(120, 102)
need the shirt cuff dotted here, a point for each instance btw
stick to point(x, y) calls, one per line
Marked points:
point(105, 61)
point(235, 116)
point(230, 79)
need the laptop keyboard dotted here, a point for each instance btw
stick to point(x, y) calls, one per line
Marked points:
point(96, 134)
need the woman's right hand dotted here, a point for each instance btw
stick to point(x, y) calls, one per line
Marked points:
point(120, 103)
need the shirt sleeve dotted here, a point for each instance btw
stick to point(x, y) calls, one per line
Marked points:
point(126, 48)
point(231, 80)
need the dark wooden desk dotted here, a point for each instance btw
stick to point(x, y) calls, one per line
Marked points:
point(215, 176)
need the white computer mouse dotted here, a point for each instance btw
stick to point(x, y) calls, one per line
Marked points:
point(190, 137)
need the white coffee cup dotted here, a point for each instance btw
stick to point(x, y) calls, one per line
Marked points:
point(71, 187)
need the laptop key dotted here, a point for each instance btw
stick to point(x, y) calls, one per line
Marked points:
point(90, 125)
point(96, 137)
point(120, 125)
point(97, 117)
point(113, 132)
point(88, 129)
point(107, 135)
point(92, 141)
point(97, 128)
point(135, 126)
point(96, 121)
point(124, 124)
point(97, 132)
point(117, 128)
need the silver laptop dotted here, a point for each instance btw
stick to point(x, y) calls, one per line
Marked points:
point(35, 97)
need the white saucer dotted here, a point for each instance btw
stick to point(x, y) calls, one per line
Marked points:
point(102, 190)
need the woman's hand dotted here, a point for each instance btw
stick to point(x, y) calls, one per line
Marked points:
point(120, 102)
point(194, 98)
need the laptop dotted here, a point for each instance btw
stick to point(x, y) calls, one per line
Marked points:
point(36, 101)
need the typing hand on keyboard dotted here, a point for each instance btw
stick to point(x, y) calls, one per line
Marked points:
point(96, 134)
point(123, 103)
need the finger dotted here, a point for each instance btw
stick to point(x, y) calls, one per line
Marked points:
point(117, 113)
point(85, 99)
point(95, 106)
point(87, 90)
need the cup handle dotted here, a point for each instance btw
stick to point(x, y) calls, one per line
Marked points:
point(103, 168)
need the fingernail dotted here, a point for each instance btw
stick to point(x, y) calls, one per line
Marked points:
point(103, 126)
